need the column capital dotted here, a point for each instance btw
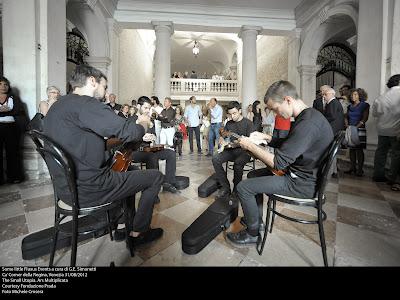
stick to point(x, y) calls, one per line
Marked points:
point(98, 61)
point(246, 28)
point(308, 69)
point(157, 25)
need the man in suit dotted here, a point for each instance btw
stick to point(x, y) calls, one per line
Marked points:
point(318, 103)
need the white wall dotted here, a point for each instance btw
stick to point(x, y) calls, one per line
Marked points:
point(272, 62)
point(135, 67)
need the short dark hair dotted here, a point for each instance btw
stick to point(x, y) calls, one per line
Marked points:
point(143, 99)
point(4, 79)
point(279, 90)
point(393, 81)
point(191, 97)
point(133, 102)
point(82, 73)
point(233, 104)
point(155, 98)
point(346, 86)
point(215, 99)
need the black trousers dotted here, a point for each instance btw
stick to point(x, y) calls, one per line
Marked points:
point(261, 182)
point(239, 158)
point(151, 160)
point(9, 140)
point(197, 133)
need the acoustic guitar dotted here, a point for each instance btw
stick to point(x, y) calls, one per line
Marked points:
point(225, 133)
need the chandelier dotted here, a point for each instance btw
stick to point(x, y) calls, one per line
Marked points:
point(196, 49)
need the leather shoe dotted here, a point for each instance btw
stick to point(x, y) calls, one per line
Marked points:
point(223, 194)
point(167, 187)
point(146, 237)
point(241, 238)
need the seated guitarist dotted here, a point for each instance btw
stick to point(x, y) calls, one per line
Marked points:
point(151, 158)
point(299, 154)
point(243, 127)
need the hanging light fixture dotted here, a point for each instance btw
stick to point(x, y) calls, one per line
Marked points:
point(196, 49)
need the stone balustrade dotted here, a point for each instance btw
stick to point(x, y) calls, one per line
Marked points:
point(180, 86)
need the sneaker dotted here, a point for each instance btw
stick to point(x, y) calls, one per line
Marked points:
point(148, 236)
point(241, 238)
point(167, 187)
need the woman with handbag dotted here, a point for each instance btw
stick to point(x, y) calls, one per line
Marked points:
point(357, 115)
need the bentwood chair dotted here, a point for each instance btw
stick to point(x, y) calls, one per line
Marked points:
point(316, 202)
point(62, 172)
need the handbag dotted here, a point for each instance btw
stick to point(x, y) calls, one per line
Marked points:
point(36, 123)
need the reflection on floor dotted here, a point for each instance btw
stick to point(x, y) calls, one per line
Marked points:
point(362, 229)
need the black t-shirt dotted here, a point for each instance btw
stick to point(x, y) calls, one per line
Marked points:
point(243, 127)
point(308, 141)
point(79, 124)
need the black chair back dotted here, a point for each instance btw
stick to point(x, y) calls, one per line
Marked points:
point(61, 168)
point(326, 163)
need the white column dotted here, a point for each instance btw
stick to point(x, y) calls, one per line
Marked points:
point(293, 58)
point(308, 82)
point(101, 63)
point(395, 67)
point(248, 34)
point(162, 59)
point(371, 43)
point(114, 31)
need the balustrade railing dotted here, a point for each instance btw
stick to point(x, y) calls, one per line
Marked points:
point(204, 86)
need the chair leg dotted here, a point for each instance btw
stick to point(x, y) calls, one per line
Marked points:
point(74, 239)
point(109, 225)
point(261, 249)
point(322, 238)
point(273, 215)
point(128, 225)
point(55, 238)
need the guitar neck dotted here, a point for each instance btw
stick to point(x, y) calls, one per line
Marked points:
point(235, 135)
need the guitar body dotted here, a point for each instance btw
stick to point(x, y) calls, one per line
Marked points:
point(122, 160)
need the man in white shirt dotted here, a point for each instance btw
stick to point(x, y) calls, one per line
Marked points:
point(216, 123)
point(386, 110)
point(157, 108)
point(193, 116)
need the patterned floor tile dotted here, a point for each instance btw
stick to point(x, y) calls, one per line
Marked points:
point(12, 228)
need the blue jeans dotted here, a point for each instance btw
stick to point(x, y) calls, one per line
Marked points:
point(213, 134)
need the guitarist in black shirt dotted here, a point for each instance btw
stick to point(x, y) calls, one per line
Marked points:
point(231, 151)
point(299, 154)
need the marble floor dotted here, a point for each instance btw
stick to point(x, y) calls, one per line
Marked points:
point(362, 229)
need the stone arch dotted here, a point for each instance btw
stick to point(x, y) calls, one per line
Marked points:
point(93, 26)
point(316, 36)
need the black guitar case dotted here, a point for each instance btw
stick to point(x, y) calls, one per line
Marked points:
point(209, 186)
point(216, 218)
point(182, 182)
point(39, 243)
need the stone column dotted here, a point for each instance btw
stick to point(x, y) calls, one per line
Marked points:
point(248, 34)
point(395, 67)
point(371, 42)
point(293, 57)
point(114, 31)
point(162, 59)
point(101, 63)
point(308, 82)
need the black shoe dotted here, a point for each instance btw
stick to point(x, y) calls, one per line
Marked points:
point(208, 154)
point(157, 200)
point(191, 152)
point(334, 175)
point(223, 194)
point(119, 235)
point(167, 187)
point(380, 179)
point(147, 236)
point(351, 171)
point(241, 238)
point(360, 173)
point(199, 152)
